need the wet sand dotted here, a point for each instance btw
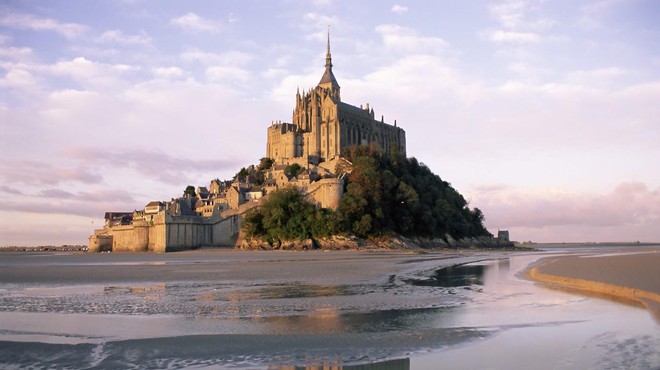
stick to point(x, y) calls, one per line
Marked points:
point(278, 310)
point(634, 276)
point(223, 265)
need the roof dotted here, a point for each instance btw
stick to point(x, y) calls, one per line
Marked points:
point(110, 215)
point(155, 203)
point(352, 109)
point(329, 77)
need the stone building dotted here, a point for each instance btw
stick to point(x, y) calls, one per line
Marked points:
point(323, 126)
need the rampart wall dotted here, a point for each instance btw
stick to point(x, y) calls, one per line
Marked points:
point(171, 233)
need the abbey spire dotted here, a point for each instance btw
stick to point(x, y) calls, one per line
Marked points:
point(328, 57)
point(328, 80)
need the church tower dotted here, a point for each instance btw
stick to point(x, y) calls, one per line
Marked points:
point(323, 127)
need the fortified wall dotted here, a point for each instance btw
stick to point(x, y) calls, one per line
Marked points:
point(168, 233)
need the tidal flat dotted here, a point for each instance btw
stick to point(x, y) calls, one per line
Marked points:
point(295, 310)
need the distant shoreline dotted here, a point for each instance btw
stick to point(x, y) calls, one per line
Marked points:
point(589, 244)
point(5, 248)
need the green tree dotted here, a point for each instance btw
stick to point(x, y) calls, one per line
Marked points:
point(243, 173)
point(293, 170)
point(402, 195)
point(265, 163)
point(190, 190)
point(288, 215)
point(383, 194)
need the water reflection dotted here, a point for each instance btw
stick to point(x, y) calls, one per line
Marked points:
point(304, 291)
point(399, 364)
point(466, 275)
point(455, 276)
point(330, 320)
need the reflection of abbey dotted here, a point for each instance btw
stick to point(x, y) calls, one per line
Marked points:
point(323, 128)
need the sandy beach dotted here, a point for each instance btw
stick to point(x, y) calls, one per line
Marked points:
point(633, 276)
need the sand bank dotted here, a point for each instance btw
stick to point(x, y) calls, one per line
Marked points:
point(634, 277)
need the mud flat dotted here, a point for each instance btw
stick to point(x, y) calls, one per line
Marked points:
point(632, 277)
point(385, 310)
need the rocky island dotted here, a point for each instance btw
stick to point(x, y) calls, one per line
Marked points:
point(335, 177)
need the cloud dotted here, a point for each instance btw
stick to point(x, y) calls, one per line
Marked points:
point(595, 77)
point(10, 190)
point(73, 205)
point(233, 18)
point(232, 57)
point(29, 172)
point(399, 9)
point(169, 72)
point(227, 73)
point(28, 21)
point(150, 163)
point(629, 204)
point(32, 229)
point(406, 40)
point(18, 78)
point(56, 193)
point(593, 14)
point(500, 36)
point(91, 74)
point(520, 22)
point(15, 53)
point(101, 195)
point(316, 25)
point(118, 37)
point(509, 13)
point(193, 22)
point(526, 71)
point(515, 14)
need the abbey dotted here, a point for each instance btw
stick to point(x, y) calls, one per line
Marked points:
point(323, 127)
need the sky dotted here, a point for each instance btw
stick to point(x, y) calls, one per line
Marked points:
point(543, 114)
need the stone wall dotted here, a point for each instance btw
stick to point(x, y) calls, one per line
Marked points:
point(131, 238)
point(225, 232)
point(100, 243)
point(327, 192)
point(171, 233)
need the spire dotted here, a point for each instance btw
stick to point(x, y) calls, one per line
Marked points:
point(328, 57)
point(328, 80)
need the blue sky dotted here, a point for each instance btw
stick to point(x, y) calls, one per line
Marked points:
point(544, 114)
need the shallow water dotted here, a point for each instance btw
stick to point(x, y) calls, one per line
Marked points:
point(475, 315)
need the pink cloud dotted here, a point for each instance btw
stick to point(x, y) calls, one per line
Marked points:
point(10, 190)
point(38, 172)
point(631, 208)
point(88, 204)
point(150, 163)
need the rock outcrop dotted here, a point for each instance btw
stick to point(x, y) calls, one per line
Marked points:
point(392, 242)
